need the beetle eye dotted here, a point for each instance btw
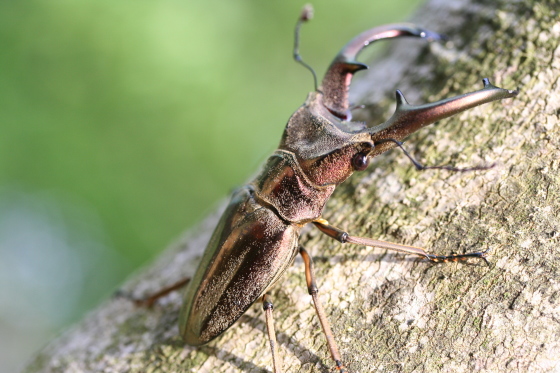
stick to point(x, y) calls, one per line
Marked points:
point(360, 162)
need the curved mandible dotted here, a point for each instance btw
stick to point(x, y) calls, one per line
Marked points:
point(410, 118)
point(339, 75)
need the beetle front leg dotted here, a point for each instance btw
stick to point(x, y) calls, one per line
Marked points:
point(268, 307)
point(421, 167)
point(342, 236)
point(313, 291)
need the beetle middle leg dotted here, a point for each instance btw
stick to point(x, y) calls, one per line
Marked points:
point(343, 237)
point(313, 291)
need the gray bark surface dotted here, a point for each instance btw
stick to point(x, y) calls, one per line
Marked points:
point(390, 312)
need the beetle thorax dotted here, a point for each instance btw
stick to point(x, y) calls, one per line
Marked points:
point(315, 155)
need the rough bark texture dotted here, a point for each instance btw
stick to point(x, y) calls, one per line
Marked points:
point(392, 313)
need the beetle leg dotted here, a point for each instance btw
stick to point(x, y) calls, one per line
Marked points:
point(268, 307)
point(421, 167)
point(313, 291)
point(342, 236)
point(151, 299)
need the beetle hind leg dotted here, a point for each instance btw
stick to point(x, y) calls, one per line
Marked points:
point(343, 237)
point(149, 300)
point(313, 291)
point(268, 307)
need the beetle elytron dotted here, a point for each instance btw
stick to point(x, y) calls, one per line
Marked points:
point(257, 237)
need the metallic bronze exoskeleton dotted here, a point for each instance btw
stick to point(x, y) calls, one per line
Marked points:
point(257, 236)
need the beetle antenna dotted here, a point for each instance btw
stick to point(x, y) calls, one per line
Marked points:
point(306, 15)
point(421, 167)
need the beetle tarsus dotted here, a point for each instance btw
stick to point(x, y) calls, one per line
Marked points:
point(334, 232)
point(146, 302)
point(458, 257)
point(340, 367)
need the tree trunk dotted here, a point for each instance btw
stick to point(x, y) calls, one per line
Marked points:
point(391, 312)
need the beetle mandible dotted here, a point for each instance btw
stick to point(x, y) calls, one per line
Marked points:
point(256, 238)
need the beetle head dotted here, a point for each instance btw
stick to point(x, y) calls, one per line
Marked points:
point(325, 145)
point(330, 147)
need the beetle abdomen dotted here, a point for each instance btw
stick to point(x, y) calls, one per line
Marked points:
point(248, 251)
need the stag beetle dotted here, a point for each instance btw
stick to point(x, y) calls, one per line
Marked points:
point(256, 238)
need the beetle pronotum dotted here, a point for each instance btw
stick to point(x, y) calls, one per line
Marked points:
point(256, 238)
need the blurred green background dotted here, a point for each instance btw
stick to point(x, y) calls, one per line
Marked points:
point(124, 122)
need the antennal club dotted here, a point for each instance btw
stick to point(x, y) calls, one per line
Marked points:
point(306, 15)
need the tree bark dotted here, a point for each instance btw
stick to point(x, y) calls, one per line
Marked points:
point(390, 312)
